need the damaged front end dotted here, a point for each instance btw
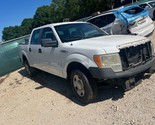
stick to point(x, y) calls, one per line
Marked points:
point(134, 56)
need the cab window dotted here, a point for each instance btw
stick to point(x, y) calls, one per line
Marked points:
point(48, 34)
point(35, 37)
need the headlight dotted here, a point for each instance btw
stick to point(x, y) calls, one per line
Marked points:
point(109, 61)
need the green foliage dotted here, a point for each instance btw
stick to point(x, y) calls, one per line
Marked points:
point(27, 25)
point(42, 16)
point(18, 31)
point(90, 6)
point(57, 12)
point(72, 9)
point(12, 32)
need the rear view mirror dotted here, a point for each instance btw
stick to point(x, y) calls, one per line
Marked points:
point(49, 43)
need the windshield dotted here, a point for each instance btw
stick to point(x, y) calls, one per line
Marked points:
point(78, 31)
point(152, 4)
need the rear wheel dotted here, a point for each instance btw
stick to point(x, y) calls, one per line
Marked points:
point(83, 86)
point(30, 70)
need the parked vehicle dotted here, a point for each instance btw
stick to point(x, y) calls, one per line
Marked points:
point(125, 20)
point(84, 54)
point(9, 55)
point(150, 6)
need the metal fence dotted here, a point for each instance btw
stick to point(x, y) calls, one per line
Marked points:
point(9, 57)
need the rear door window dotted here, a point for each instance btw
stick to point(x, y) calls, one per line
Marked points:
point(110, 18)
point(99, 21)
point(103, 20)
point(134, 10)
point(143, 5)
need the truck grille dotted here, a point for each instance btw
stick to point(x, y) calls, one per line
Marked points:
point(135, 55)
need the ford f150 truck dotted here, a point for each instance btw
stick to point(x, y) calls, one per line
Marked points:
point(86, 55)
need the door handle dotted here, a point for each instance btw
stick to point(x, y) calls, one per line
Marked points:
point(63, 51)
point(29, 49)
point(39, 50)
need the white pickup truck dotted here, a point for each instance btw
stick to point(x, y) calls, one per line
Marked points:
point(85, 55)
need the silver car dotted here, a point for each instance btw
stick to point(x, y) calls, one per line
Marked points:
point(139, 22)
point(150, 6)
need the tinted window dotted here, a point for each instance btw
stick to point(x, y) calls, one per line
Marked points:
point(78, 31)
point(48, 34)
point(152, 4)
point(134, 10)
point(143, 5)
point(35, 37)
point(103, 20)
point(110, 18)
point(99, 21)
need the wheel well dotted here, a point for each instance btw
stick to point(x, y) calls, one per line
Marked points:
point(77, 66)
point(154, 14)
point(24, 58)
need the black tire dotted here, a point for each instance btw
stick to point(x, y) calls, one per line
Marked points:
point(30, 70)
point(83, 86)
point(154, 15)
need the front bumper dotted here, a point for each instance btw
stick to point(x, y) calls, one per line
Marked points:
point(108, 73)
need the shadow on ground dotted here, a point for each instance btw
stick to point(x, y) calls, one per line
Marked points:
point(63, 87)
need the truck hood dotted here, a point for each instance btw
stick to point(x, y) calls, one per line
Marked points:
point(110, 43)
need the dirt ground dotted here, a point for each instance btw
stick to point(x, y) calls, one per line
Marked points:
point(48, 100)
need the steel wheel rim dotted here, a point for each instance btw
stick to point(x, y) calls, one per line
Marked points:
point(78, 85)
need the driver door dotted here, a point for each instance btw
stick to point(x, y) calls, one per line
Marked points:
point(49, 57)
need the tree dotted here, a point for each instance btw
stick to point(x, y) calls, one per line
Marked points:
point(62, 9)
point(88, 7)
point(42, 16)
point(72, 9)
point(27, 26)
point(57, 10)
point(12, 32)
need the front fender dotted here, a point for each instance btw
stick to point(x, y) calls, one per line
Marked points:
point(79, 58)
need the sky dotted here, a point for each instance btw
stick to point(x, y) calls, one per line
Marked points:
point(12, 12)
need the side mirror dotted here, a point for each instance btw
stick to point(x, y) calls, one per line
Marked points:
point(49, 43)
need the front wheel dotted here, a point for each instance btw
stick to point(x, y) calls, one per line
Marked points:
point(83, 86)
point(30, 70)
